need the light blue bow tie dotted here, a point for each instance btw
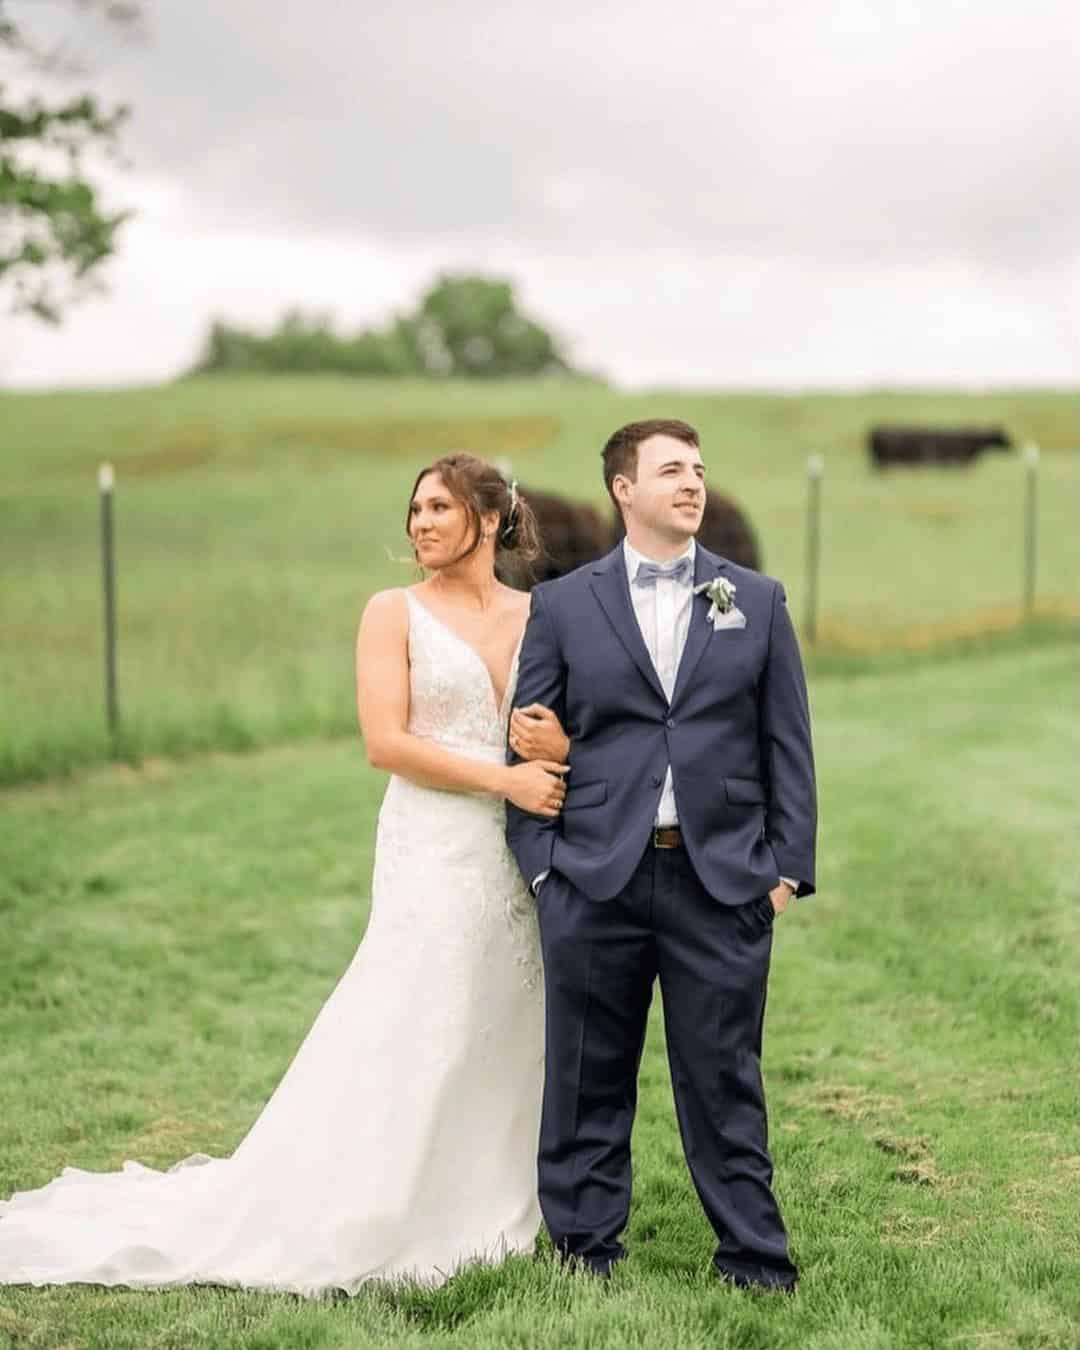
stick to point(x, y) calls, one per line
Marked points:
point(680, 570)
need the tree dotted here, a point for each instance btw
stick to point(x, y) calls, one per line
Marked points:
point(308, 341)
point(464, 325)
point(54, 232)
point(470, 325)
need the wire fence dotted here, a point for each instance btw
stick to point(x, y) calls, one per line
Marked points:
point(818, 528)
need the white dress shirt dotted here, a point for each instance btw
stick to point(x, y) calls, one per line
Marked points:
point(663, 613)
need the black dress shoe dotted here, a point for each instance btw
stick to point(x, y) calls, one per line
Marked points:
point(772, 1282)
point(600, 1270)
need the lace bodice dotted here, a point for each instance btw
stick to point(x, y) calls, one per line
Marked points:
point(451, 697)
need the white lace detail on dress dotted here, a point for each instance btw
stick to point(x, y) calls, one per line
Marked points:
point(452, 701)
point(451, 697)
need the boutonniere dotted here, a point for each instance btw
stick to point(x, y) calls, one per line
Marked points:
point(723, 612)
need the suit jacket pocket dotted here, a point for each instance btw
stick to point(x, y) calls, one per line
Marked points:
point(745, 791)
point(585, 794)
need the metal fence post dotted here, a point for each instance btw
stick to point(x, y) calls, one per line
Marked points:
point(815, 469)
point(108, 577)
point(1031, 522)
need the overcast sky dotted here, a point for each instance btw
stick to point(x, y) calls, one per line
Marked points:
point(752, 192)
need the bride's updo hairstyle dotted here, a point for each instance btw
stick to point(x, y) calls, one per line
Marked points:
point(481, 488)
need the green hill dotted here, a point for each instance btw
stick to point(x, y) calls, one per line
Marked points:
point(256, 515)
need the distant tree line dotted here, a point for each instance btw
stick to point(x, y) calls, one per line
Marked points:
point(464, 325)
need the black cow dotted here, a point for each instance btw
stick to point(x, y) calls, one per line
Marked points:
point(932, 445)
point(725, 529)
point(574, 533)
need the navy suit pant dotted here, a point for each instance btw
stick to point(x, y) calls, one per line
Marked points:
point(601, 959)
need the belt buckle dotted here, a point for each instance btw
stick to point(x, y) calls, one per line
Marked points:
point(659, 830)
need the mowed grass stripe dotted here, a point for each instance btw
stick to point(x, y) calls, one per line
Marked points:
point(168, 936)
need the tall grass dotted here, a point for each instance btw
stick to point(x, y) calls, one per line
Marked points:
point(255, 516)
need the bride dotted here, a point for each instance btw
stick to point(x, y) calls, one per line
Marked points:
point(402, 1140)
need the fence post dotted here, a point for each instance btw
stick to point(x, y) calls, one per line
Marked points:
point(1031, 521)
point(815, 469)
point(108, 577)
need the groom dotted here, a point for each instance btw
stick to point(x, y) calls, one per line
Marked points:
point(688, 825)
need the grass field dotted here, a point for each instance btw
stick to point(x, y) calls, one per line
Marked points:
point(168, 933)
point(256, 516)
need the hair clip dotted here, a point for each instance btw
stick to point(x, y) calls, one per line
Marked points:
point(511, 513)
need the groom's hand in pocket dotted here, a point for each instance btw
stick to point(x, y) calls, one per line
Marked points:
point(536, 733)
point(780, 895)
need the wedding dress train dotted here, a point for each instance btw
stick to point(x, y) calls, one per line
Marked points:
point(402, 1139)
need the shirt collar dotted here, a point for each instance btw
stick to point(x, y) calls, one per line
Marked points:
point(634, 559)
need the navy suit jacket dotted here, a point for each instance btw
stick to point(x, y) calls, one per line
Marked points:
point(736, 734)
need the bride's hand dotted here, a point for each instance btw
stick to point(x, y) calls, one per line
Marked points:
point(537, 787)
point(536, 733)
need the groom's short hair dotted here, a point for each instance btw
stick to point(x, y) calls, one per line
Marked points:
point(620, 453)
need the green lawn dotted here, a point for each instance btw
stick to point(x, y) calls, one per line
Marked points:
point(255, 516)
point(169, 932)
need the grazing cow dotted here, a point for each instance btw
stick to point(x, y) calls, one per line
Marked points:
point(725, 529)
point(933, 445)
point(574, 533)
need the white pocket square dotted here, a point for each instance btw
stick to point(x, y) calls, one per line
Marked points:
point(734, 618)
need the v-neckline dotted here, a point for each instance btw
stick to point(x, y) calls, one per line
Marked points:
point(499, 703)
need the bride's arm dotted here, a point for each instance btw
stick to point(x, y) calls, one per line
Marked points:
point(382, 702)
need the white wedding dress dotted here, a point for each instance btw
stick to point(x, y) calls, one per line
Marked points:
point(402, 1140)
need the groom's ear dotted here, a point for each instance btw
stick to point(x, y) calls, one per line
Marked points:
point(620, 490)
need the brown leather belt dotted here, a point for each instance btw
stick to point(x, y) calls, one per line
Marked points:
point(667, 836)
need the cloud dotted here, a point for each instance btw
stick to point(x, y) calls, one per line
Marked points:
point(773, 185)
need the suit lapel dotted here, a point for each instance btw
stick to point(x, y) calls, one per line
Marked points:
point(706, 567)
point(612, 590)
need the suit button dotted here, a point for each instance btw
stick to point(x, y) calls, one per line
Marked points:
point(657, 781)
point(670, 722)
